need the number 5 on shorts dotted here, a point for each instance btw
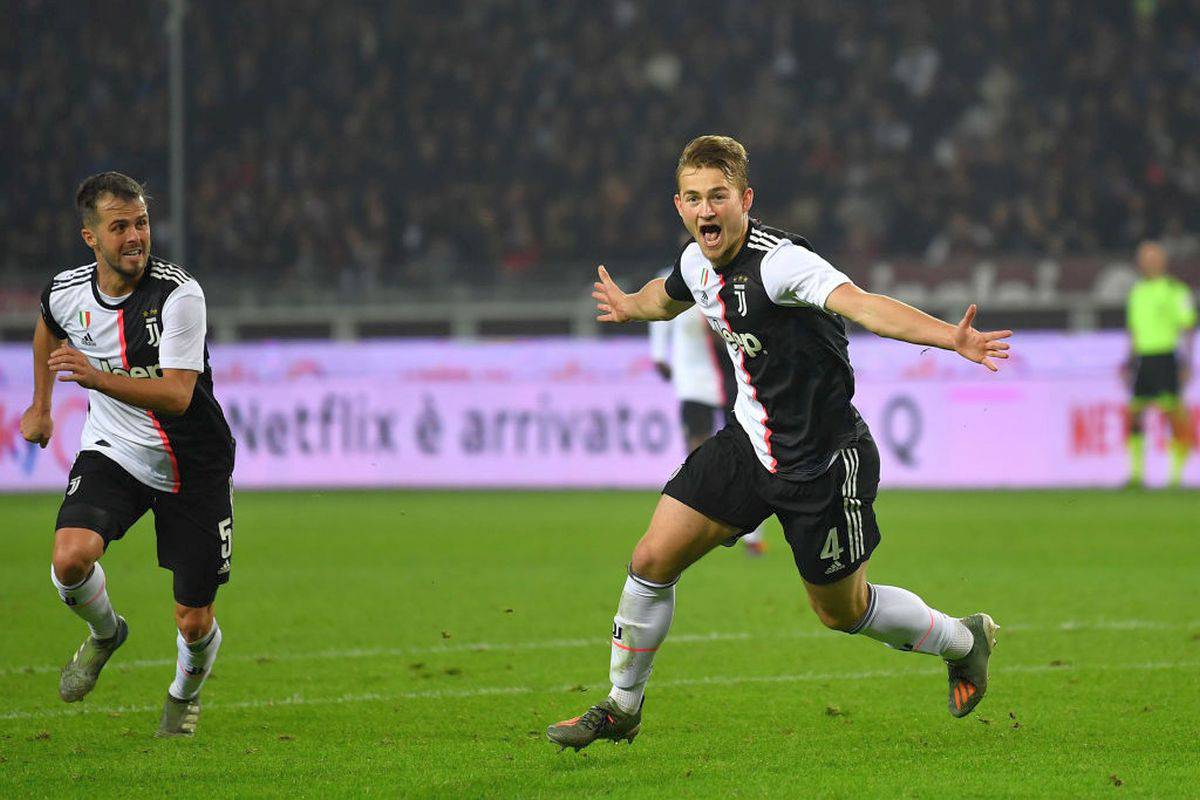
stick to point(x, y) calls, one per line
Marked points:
point(225, 531)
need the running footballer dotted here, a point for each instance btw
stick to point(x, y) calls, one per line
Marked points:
point(131, 329)
point(798, 449)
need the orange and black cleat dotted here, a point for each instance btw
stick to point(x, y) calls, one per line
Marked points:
point(602, 721)
point(969, 674)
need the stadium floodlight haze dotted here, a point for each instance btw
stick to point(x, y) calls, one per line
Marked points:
point(372, 375)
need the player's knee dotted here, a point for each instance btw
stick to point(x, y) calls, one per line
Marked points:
point(653, 564)
point(193, 623)
point(1135, 424)
point(72, 562)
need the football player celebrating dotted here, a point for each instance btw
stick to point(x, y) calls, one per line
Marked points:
point(798, 450)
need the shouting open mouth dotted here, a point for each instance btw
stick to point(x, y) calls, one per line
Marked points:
point(710, 235)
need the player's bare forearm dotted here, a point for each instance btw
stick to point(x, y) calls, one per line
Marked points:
point(44, 343)
point(37, 424)
point(653, 303)
point(650, 303)
point(171, 394)
point(886, 316)
point(889, 317)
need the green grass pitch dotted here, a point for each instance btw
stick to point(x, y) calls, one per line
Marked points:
point(417, 644)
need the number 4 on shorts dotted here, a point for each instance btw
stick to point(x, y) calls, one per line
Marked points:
point(832, 549)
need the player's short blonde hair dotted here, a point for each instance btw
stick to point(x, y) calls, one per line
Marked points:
point(721, 152)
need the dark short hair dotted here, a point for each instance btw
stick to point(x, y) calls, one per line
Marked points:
point(114, 183)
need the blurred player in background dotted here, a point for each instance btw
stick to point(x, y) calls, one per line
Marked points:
point(1161, 318)
point(799, 449)
point(684, 351)
point(131, 328)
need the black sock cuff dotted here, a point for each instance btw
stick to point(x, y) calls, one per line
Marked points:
point(75, 586)
point(869, 614)
point(196, 647)
point(649, 584)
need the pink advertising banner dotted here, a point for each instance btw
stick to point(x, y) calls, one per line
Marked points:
point(572, 413)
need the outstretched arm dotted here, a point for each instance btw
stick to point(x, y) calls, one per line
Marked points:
point(889, 317)
point(651, 302)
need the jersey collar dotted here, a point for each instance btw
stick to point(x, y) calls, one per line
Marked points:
point(104, 303)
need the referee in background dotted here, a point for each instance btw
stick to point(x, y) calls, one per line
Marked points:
point(1161, 318)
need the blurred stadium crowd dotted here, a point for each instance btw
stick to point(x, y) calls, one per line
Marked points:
point(358, 144)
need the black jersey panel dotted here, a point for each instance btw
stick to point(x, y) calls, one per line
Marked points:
point(47, 316)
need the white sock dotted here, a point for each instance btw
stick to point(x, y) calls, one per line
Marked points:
point(89, 600)
point(195, 662)
point(900, 619)
point(642, 621)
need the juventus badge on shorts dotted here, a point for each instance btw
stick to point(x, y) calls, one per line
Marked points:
point(73, 485)
point(153, 330)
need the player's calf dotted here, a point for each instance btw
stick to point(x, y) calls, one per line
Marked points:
point(194, 662)
point(87, 598)
point(901, 620)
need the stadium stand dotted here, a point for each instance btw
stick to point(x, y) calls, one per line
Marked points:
point(340, 151)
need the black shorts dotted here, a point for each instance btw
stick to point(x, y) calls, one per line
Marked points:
point(829, 521)
point(699, 419)
point(194, 528)
point(1156, 376)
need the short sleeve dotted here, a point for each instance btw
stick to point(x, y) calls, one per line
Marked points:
point(677, 288)
point(185, 323)
point(48, 315)
point(796, 276)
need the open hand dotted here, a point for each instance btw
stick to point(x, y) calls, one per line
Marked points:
point(72, 365)
point(978, 346)
point(612, 304)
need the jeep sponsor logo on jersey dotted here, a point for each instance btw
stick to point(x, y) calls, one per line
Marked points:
point(152, 371)
point(748, 343)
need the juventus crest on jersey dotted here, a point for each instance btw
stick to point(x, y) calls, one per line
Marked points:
point(790, 355)
point(161, 324)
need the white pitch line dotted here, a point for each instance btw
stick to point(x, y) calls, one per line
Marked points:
point(569, 644)
point(374, 652)
point(679, 683)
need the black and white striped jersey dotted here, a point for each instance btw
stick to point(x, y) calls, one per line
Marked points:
point(795, 382)
point(161, 324)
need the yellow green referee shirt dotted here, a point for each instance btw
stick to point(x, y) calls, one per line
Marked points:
point(1159, 310)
